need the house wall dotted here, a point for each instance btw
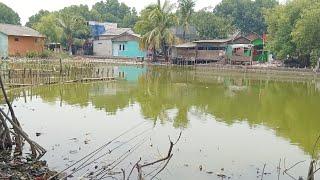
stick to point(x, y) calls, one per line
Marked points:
point(186, 53)
point(102, 48)
point(209, 55)
point(131, 49)
point(3, 46)
point(24, 45)
point(211, 50)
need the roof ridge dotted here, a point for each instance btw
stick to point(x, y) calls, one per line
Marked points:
point(19, 30)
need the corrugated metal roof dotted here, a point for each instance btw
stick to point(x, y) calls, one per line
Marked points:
point(213, 41)
point(186, 45)
point(117, 31)
point(16, 30)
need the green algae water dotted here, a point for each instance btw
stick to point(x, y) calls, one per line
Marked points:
point(231, 125)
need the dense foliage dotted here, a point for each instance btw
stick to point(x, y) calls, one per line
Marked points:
point(36, 18)
point(113, 11)
point(211, 26)
point(294, 30)
point(7, 15)
point(246, 15)
point(185, 12)
point(155, 25)
point(69, 24)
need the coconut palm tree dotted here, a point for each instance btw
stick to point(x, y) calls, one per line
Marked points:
point(155, 26)
point(186, 9)
point(72, 27)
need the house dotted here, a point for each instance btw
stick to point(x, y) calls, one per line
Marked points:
point(237, 48)
point(118, 42)
point(239, 53)
point(18, 40)
point(200, 52)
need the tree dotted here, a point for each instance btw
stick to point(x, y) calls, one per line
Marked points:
point(306, 33)
point(36, 18)
point(79, 10)
point(154, 26)
point(48, 25)
point(186, 9)
point(8, 16)
point(115, 12)
point(211, 26)
point(73, 27)
point(290, 29)
point(129, 20)
point(246, 15)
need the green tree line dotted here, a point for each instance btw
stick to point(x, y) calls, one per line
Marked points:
point(292, 27)
point(8, 16)
point(294, 30)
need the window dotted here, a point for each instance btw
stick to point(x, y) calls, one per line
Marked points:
point(211, 48)
point(121, 47)
point(16, 39)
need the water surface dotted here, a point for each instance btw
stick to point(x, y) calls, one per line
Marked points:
point(230, 124)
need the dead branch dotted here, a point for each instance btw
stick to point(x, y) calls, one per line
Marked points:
point(264, 166)
point(6, 133)
point(165, 165)
point(311, 172)
point(35, 148)
point(123, 173)
point(167, 159)
point(14, 118)
point(286, 170)
point(279, 169)
point(133, 169)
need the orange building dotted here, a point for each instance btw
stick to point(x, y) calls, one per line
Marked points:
point(19, 40)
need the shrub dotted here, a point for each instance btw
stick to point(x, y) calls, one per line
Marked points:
point(45, 54)
point(31, 54)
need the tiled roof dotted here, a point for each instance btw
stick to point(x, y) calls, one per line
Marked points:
point(16, 30)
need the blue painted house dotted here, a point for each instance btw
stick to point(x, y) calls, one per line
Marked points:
point(3, 45)
point(119, 42)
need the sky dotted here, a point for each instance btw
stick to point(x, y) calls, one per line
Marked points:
point(27, 8)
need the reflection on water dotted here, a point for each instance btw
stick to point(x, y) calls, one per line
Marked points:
point(236, 122)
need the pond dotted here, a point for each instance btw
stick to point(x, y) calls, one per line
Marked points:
point(231, 125)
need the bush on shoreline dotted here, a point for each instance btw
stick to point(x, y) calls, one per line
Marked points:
point(46, 54)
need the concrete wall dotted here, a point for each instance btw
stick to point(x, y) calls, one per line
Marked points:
point(21, 45)
point(3, 46)
point(102, 48)
point(131, 49)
